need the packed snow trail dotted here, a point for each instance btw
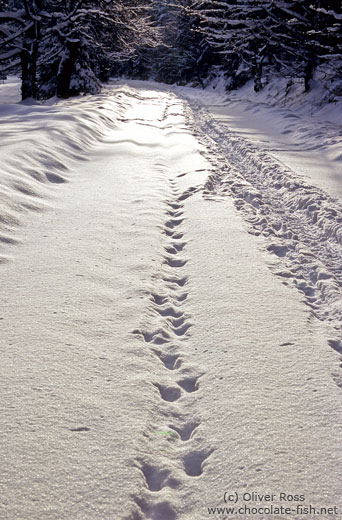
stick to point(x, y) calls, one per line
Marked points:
point(152, 364)
point(301, 223)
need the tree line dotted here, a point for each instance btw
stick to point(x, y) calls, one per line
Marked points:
point(264, 38)
point(66, 47)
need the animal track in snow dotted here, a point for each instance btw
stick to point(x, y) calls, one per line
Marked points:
point(193, 462)
point(156, 511)
point(158, 299)
point(173, 222)
point(189, 384)
point(174, 262)
point(181, 331)
point(158, 337)
point(176, 247)
point(301, 224)
point(171, 329)
point(279, 250)
point(175, 212)
point(173, 234)
point(182, 297)
point(171, 250)
point(179, 281)
point(157, 478)
point(168, 393)
point(177, 322)
point(171, 361)
point(187, 430)
point(174, 205)
point(169, 311)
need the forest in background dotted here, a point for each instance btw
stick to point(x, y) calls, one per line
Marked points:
point(67, 47)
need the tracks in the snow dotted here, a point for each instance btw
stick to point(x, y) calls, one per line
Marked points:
point(176, 453)
point(301, 225)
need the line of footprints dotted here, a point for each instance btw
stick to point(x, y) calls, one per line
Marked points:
point(167, 343)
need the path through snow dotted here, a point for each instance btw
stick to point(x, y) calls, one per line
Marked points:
point(151, 360)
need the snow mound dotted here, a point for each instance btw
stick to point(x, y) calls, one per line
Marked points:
point(40, 144)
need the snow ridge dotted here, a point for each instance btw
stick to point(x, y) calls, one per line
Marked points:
point(302, 225)
point(40, 144)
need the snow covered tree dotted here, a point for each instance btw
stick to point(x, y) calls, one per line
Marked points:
point(258, 38)
point(327, 34)
point(236, 31)
point(70, 46)
point(64, 48)
point(181, 55)
point(304, 35)
point(289, 30)
point(18, 44)
point(88, 37)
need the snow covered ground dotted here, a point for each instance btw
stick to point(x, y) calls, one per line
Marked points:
point(303, 135)
point(170, 314)
point(288, 189)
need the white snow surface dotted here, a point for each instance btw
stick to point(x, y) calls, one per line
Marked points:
point(170, 320)
point(299, 131)
point(9, 91)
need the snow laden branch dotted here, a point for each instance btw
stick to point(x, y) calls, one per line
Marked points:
point(260, 38)
point(67, 47)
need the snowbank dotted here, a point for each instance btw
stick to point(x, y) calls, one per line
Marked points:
point(324, 100)
point(40, 144)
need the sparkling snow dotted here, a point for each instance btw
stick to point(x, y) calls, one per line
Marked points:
point(170, 331)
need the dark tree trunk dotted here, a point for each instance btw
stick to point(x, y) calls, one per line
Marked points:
point(29, 54)
point(26, 78)
point(308, 70)
point(29, 64)
point(34, 60)
point(66, 69)
point(258, 76)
